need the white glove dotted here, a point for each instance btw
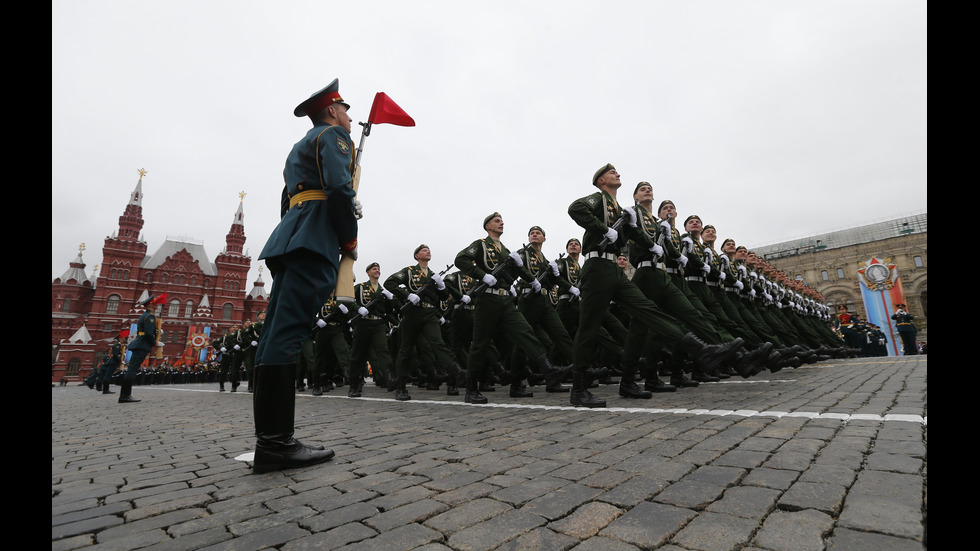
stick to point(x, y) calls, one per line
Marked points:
point(554, 267)
point(513, 290)
point(753, 275)
point(342, 308)
point(574, 290)
point(665, 225)
point(535, 285)
point(742, 271)
point(722, 276)
point(612, 235)
point(442, 320)
point(320, 323)
point(517, 259)
point(725, 262)
point(631, 212)
point(706, 269)
point(682, 260)
point(255, 343)
point(223, 349)
point(387, 294)
point(752, 292)
point(466, 299)
point(688, 243)
point(489, 280)
point(440, 284)
point(413, 298)
point(362, 311)
point(236, 347)
point(709, 254)
point(352, 255)
point(657, 250)
point(358, 210)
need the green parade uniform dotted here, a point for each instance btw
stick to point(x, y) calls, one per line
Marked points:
point(495, 312)
point(252, 335)
point(331, 352)
point(370, 341)
point(419, 326)
point(603, 281)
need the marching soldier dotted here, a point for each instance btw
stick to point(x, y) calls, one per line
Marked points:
point(422, 289)
point(370, 325)
point(602, 281)
point(251, 337)
point(331, 352)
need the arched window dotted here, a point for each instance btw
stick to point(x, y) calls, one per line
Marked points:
point(226, 311)
point(174, 310)
point(112, 305)
point(66, 305)
point(148, 278)
point(189, 308)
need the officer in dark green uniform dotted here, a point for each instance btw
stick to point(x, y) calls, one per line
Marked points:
point(602, 281)
point(331, 352)
point(422, 289)
point(905, 323)
point(490, 262)
point(112, 363)
point(370, 326)
point(318, 223)
point(251, 337)
point(139, 347)
point(536, 306)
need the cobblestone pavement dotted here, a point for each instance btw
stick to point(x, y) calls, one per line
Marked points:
point(828, 456)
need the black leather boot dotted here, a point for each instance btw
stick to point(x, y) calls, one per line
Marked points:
point(627, 385)
point(401, 390)
point(274, 409)
point(473, 395)
point(580, 395)
point(518, 390)
point(126, 392)
point(106, 388)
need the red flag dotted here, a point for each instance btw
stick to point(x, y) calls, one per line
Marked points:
point(384, 110)
point(159, 299)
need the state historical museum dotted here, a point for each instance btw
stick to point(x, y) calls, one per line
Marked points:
point(204, 298)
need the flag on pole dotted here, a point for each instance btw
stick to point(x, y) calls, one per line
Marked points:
point(160, 299)
point(386, 111)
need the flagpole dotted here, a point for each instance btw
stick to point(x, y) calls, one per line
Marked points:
point(345, 271)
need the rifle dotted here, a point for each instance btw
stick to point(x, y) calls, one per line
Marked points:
point(496, 271)
point(623, 216)
point(370, 303)
point(425, 287)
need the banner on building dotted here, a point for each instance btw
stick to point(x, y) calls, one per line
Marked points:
point(198, 342)
point(881, 289)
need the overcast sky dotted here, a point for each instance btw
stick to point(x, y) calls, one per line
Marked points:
point(771, 120)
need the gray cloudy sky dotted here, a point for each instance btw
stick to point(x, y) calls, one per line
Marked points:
point(772, 120)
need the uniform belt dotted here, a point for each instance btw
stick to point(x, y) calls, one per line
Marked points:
point(528, 291)
point(371, 317)
point(597, 254)
point(427, 305)
point(712, 283)
point(500, 292)
point(672, 270)
point(308, 195)
point(731, 289)
point(646, 264)
point(566, 297)
point(464, 306)
point(694, 278)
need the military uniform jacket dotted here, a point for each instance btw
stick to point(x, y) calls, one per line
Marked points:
point(252, 333)
point(672, 249)
point(331, 313)
point(115, 355)
point(597, 213)
point(569, 270)
point(904, 322)
point(535, 262)
point(412, 280)
point(647, 224)
point(695, 257)
point(146, 332)
point(365, 294)
point(323, 160)
point(483, 256)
